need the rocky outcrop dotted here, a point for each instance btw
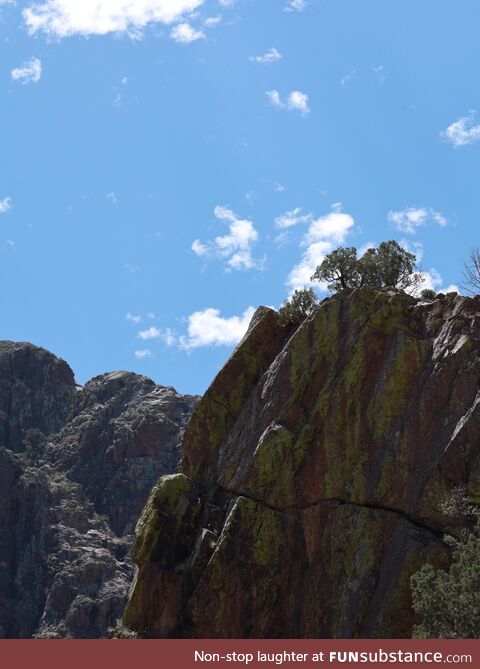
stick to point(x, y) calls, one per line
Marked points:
point(76, 466)
point(313, 475)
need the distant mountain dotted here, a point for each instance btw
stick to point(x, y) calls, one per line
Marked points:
point(76, 466)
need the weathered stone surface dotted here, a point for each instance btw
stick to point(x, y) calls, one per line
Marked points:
point(76, 467)
point(311, 488)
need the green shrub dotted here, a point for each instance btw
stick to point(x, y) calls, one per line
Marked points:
point(448, 602)
point(297, 307)
point(428, 294)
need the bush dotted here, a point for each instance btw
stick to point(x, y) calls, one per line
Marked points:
point(448, 602)
point(296, 308)
point(428, 294)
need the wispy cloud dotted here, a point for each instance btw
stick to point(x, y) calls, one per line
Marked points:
point(236, 246)
point(144, 354)
point(410, 219)
point(271, 56)
point(292, 218)
point(463, 131)
point(112, 198)
point(209, 328)
point(295, 101)
point(323, 235)
point(347, 78)
point(184, 33)
point(5, 205)
point(295, 5)
point(29, 72)
point(64, 18)
point(133, 319)
point(379, 71)
point(212, 21)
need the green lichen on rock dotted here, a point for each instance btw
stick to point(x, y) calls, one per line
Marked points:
point(317, 462)
point(260, 531)
point(219, 408)
point(171, 508)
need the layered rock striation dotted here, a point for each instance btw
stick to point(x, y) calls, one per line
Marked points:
point(76, 466)
point(314, 471)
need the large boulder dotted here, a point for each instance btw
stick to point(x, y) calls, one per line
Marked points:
point(314, 473)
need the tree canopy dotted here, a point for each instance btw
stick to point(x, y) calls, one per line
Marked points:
point(388, 265)
point(298, 306)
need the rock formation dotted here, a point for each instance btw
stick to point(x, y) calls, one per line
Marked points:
point(313, 475)
point(76, 466)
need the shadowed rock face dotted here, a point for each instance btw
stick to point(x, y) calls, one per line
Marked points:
point(76, 466)
point(314, 468)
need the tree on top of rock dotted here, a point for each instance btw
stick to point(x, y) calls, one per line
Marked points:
point(387, 266)
point(297, 307)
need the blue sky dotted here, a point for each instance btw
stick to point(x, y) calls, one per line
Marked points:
point(168, 166)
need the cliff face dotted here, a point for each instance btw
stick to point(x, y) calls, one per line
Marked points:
point(76, 466)
point(314, 468)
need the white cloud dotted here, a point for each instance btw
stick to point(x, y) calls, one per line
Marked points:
point(235, 247)
point(29, 72)
point(274, 97)
point(347, 78)
point(271, 56)
point(184, 33)
point(10, 243)
point(300, 275)
point(64, 18)
point(112, 197)
point(334, 227)
point(150, 333)
point(213, 21)
point(279, 188)
point(291, 218)
point(323, 235)
point(209, 328)
point(452, 288)
point(463, 131)
point(133, 319)
point(298, 101)
point(143, 354)
point(295, 5)
point(408, 220)
point(5, 205)
point(295, 101)
point(433, 281)
point(200, 249)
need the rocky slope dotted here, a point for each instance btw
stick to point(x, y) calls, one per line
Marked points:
point(76, 466)
point(314, 469)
